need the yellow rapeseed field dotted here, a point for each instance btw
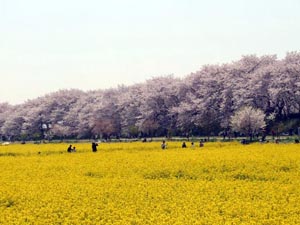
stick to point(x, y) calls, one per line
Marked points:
point(138, 183)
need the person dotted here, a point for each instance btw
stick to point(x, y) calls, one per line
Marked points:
point(94, 147)
point(201, 144)
point(74, 149)
point(163, 144)
point(244, 141)
point(296, 141)
point(183, 145)
point(70, 149)
point(192, 145)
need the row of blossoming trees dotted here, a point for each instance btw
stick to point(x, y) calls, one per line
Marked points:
point(202, 103)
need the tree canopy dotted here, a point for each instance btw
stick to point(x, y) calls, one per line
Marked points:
point(201, 103)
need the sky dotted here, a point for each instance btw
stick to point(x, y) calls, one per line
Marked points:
point(50, 45)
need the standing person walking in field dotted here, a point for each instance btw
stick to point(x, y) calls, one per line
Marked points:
point(70, 149)
point(94, 147)
point(163, 145)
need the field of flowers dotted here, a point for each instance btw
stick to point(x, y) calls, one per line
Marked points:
point(138, 183)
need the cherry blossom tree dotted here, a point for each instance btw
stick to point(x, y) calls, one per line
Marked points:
point(248, 121)
point(201, 103)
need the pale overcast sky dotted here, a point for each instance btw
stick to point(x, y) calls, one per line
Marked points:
point(47, 45)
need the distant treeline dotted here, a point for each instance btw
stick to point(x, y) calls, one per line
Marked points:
point(202, 103)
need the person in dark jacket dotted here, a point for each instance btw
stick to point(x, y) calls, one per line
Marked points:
point(94, 147)
point(70, 149)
